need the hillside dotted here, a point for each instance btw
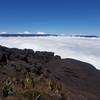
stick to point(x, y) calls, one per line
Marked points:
point(29, 75)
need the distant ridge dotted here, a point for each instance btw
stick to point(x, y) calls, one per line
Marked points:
point(26, 35)
point(87, 36)
point(32, 35)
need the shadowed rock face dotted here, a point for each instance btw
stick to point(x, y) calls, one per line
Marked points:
point(26, 55)
point(80, 80)
point(76, 74)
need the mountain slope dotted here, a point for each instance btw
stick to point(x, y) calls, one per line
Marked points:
point(46, 75)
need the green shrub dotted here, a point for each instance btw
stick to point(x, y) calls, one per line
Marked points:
point(7, 87)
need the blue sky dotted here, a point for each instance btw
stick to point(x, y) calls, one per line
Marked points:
point(50, 16)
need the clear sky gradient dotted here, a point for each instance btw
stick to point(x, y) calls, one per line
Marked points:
point(50, 16)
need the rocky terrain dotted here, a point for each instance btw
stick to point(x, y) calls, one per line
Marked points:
point(29, 75)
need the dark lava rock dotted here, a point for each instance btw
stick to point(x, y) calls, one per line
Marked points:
point(76, 75)
point(45, 56)
point(82, 79)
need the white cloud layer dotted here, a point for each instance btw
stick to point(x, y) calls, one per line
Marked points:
point(3, 32)
point(84, 49)
point(41, 33)
point(27, 32)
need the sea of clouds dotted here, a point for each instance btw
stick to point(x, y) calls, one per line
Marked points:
point(84, 49)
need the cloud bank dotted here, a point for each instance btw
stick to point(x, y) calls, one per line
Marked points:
point(40, 33)
point(3, 32)
point(84, 49)
point(26, 32)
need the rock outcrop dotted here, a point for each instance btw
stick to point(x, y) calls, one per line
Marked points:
point(79, 80)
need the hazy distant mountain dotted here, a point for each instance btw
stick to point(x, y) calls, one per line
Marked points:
point(29, 34)
point(87, 36)
point(26, 35)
